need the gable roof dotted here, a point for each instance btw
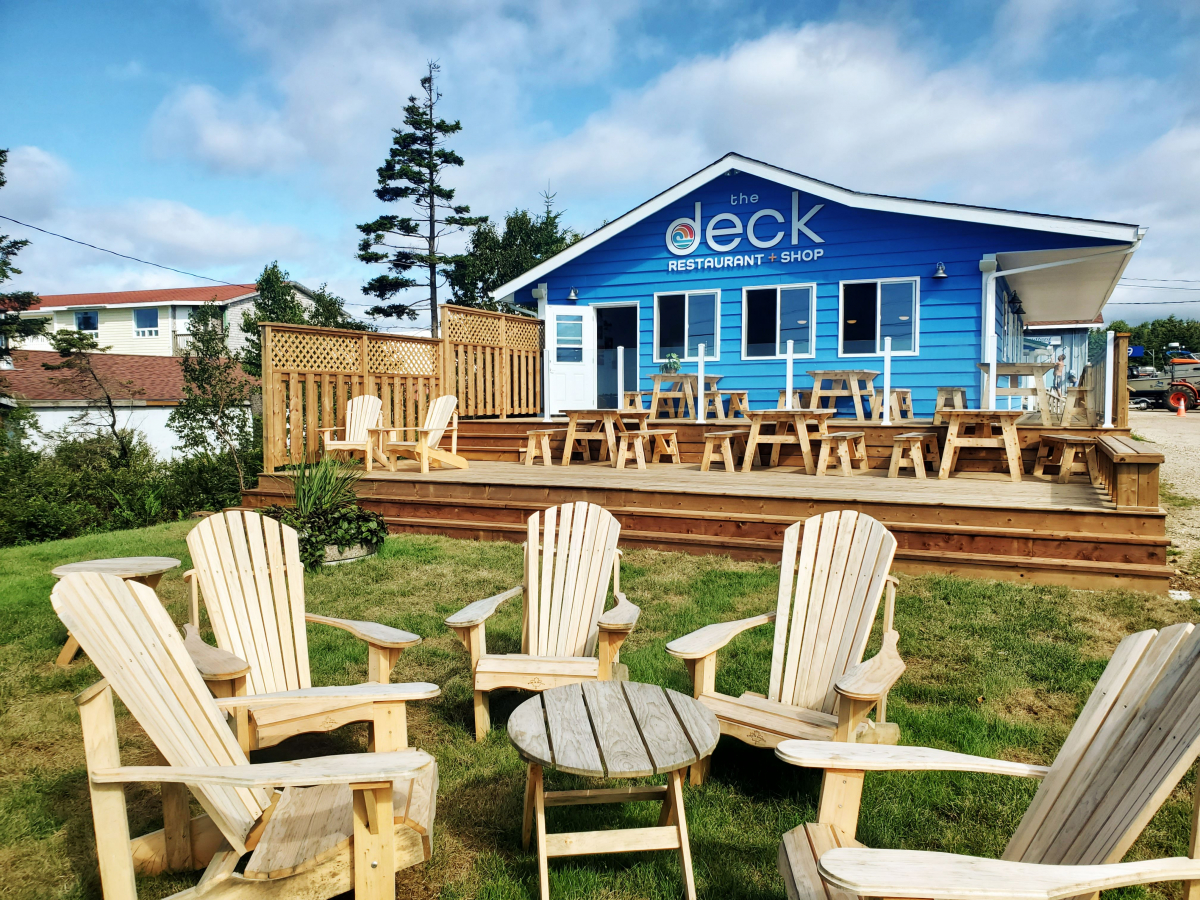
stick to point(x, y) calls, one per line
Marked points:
point(1092, 228)
point(159, 378)
point(159, 296)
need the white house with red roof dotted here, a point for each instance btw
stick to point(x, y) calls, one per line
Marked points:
point(146, 323)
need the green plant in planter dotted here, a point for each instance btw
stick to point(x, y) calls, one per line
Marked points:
point(671, 364)
point(325, 511)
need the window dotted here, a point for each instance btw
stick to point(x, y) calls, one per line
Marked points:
point(682, 322)
point(772, 316)
point(145, 322)
point(88, 320)
point(873, 310)
point(569, 338)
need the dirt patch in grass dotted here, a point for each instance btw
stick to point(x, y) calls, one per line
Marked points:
point(1029, 705)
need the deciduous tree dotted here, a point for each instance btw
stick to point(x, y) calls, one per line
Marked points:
point(79, 378)
point(12, 304)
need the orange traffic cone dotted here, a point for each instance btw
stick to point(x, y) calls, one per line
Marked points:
point(1181, 409)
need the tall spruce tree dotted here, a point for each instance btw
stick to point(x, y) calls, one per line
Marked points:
point(413, 172)
point(12, 304)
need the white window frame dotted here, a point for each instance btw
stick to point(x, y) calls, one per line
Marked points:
point(145, 332)
point(75, 321)
point(713, 355)
point(812, 319)
point(916, 350)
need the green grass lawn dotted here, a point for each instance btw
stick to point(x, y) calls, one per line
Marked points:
point(994, 669)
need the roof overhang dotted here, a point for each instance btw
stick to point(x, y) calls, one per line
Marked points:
point(1116, 232)
point(42, 311)
point(1076, 292)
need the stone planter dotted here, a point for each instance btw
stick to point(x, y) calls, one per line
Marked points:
point(335, 557)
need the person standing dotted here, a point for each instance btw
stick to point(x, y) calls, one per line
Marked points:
point(1060, 368)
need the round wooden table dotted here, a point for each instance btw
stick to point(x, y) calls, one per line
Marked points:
point(146, 569)
point(611, 729)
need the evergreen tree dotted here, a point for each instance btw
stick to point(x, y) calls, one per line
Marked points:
point(413, 172)
point(277, 302)
point(12, 326)
point(329, 311)
point(495, 257)
point(1154, 336)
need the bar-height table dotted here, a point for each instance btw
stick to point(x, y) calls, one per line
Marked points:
point(983, 421)
point(857, 384)
point(677, 392)
point(791, 427)
point(1036, 371)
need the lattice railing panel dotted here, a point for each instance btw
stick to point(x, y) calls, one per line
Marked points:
point(469, 327)
point(310, 351)
point(401, 357)
point(523, 335)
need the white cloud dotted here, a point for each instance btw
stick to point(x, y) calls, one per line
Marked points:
point(36, 182)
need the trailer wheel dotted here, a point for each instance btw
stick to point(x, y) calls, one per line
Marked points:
point(1183, 395)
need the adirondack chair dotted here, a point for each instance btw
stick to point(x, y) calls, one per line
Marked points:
point(362, 418)
point(1135, 738)
point(564, 621)
point(835, 568)
point(249, 573)
point(313, 828)
point(440, 418)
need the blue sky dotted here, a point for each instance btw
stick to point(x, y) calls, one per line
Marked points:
point(214, 137)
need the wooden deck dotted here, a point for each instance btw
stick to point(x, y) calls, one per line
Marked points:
point(976, 523)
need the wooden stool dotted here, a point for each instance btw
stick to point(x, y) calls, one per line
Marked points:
point(848, 445)
point(633, 399)
point(800, 398)
point(921, 447)
point(663, 440)
point(948, 398)
point(1061, 449)
point(714, 401)
point(539, 438)
point(901, 402)
point(727, 439)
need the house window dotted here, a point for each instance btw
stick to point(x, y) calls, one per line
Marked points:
point(145, 322)
point(569, 338)
point(772, 316)
point(682, 322)
point(873, 310)
point(88, 320)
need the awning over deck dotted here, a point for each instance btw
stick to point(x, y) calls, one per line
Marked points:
point(1075, 291)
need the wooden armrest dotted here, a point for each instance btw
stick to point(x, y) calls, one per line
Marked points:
point(874, 677)
point(881, 758)
point(711, 638)
point(621, 617)
point(371, 692)
point(371, 632)
point(190, 574)
point(892, 579)
point(947, 876)
point(481, 610)
point(347, 768)
point(328, 430)
point(213, 663)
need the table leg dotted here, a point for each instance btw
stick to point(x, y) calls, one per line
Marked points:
point(1093, 465)
point(727, 455)
point(547, 457)
point(531, 450)
point(527, 818)
point(823, 458)
point(815, 398)
point(776, 446)
point(950, 451)
point(1066, 464)
point(1012, 449)
point(654, 399)
point(689, 400)
point(539, 819)
point(150, 581)
point(856, 396)
point(639, 451)
point(1043, 400)
point(917, 451)
point(70, 648)
point(675, 787)
point(569, 446)
point(610, 433)
point(805, 444)
point(751, 444)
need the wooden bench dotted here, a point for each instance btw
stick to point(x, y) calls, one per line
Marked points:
point(1061, 450)
point(727, 440)
point(714, 402)
point(1129, 470)
point(948, 398)
point(540, 438)
point(665, 441)
point(849, 445)
point(921, 447)
point(633, 399)
point(901, 403)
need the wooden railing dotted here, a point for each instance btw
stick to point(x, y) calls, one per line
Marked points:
point(491, 361)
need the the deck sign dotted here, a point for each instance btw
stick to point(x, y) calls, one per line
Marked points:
point(764, 229)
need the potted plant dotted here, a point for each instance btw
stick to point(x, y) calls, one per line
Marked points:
point(332, 527)
point(671, 364)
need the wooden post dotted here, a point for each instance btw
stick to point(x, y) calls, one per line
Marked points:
point(177, 824)
point(374, 841)
point(448, 383)
point(267, 386)
point(502, 376)
point(111, 821)
point(1121, 379)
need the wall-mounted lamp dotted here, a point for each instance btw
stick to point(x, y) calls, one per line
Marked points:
point(1014, 305)
point(574, 295)
point(941, 271)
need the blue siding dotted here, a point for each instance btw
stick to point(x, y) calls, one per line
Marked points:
point(858, 244)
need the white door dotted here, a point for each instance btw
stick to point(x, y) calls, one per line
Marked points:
point(570, 358)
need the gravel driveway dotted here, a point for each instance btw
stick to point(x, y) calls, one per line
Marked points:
point(1179, 441)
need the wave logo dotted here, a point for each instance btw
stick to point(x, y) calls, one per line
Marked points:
point(683, 235)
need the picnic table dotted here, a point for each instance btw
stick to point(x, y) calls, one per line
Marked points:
point(791, 427)
point(857, 384)
point(677, 391)
point(1015, 371)
point(611, 729)
point(983, 421)
point(599, 425)
point(146, 569)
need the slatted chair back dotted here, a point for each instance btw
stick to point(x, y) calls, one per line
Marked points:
point(438, 417)
point(566, 585)
point(362, 412)
point(1137, 735)
point(832, 577)
point(252, 582)
point(125, 631)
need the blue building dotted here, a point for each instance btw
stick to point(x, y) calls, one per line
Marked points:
point(744, 256)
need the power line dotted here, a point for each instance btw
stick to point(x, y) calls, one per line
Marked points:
point(1156, 287)
point(115, 253)
point(1182, 280)
point(1149, 302)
